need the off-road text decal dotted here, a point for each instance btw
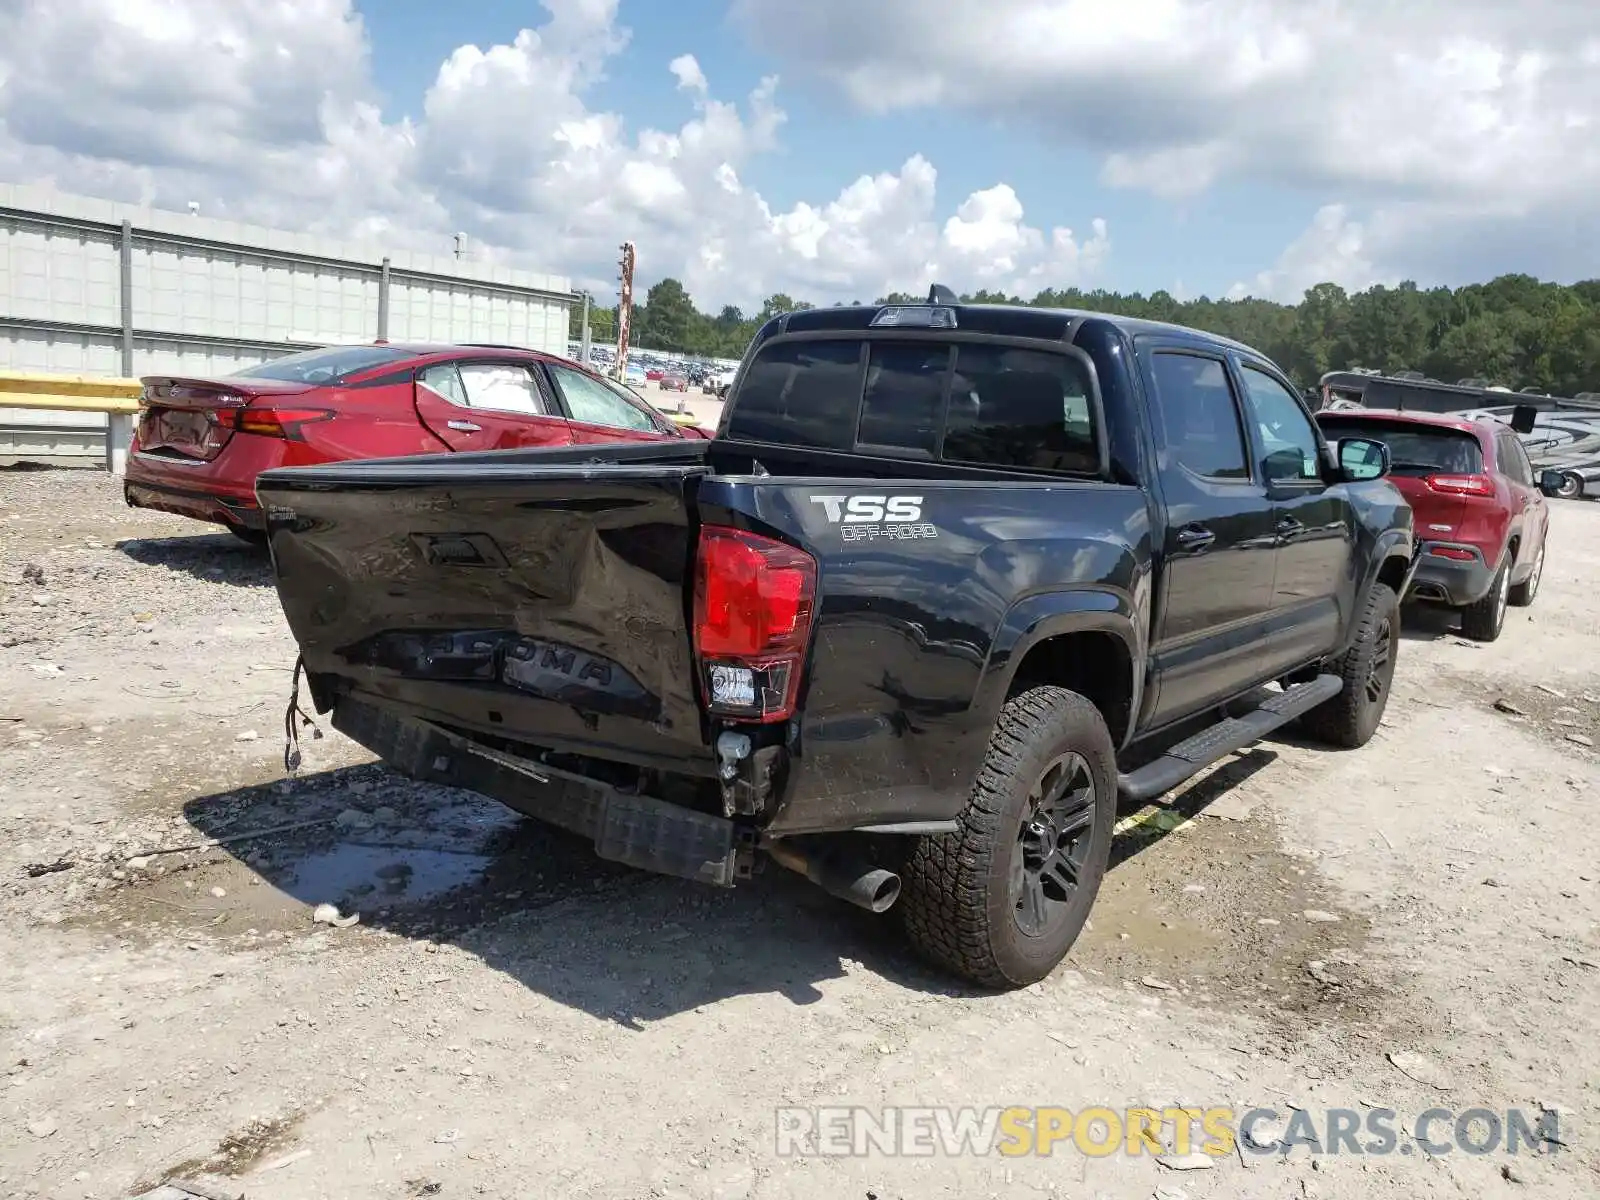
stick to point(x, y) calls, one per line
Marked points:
point(869, 518)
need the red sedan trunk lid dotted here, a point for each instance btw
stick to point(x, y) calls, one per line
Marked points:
point(178, 414)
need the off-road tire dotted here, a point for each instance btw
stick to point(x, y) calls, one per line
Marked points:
point(1350, 719)
point(1483, 621)
point(1522, 594)
point(955, 900)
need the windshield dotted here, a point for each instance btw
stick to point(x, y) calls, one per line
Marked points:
point(1415, 449)
point(328, 364)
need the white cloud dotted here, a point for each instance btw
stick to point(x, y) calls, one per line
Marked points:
point(267, 112)
point(1470, 124)
point(1334, 247)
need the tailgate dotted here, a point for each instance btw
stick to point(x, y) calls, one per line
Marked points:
point(540, 602)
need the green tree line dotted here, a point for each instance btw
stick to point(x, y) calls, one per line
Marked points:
point(1514, 330)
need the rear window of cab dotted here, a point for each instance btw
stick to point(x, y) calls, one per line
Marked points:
point(969, 403)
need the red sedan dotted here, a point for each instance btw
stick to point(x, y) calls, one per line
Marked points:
point(1479, 509)
point(201, 441)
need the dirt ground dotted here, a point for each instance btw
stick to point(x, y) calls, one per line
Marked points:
point(1413, 925)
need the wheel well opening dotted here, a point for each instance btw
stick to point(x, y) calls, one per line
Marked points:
point(1095, 665)
point(1512, 547)
point(1393, 572)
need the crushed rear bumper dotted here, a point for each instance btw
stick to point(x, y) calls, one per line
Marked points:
point(638, 831)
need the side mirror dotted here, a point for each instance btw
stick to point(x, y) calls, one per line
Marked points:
point(1361, 459)
point(1523, 417)
point(1551, 482)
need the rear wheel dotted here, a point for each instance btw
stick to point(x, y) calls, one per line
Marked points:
point(1571, 485)
point(1351, 718)
point(1483, 621)
point(1001, 901)
point(1522, 594)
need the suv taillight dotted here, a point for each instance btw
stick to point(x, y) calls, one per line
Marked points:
point(1461, 485)
point(753, 599)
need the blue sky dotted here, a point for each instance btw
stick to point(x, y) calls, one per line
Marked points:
point(1200, 245)
point(1200, 146)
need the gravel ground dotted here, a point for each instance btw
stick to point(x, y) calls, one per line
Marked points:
point(1412, 925)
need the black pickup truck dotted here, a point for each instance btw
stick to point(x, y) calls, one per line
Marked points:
point(936, 595)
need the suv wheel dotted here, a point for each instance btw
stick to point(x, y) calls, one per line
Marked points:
point(1571, 485)
point(1351, 718)
point(1483, 621)
point(1522, 594)
point(1001, 901)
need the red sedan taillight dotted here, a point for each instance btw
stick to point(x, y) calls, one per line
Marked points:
point(753, 602)
point(269, 422)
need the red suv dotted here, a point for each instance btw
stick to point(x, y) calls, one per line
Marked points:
point(1480, 517)
point(201, 441)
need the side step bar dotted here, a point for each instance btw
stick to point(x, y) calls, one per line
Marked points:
point(1191, 756)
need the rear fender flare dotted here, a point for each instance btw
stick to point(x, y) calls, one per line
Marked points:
point(1037, 618)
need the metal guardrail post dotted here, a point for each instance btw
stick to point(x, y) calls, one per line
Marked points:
point(119, 426)
point(383, 301)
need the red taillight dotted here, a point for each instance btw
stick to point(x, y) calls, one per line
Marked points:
point(269, 422)
point(1452, 552)
point(1461, 485)
point(753, 599)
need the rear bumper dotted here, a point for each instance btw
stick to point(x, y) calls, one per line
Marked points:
point(202, 504)
point(1450, 580)
point(638, 831)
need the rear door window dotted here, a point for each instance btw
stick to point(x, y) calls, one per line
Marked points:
point(445, 380)
point(503, 387)
point(1197, 418)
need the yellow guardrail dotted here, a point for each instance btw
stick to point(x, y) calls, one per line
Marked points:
point(69, 393)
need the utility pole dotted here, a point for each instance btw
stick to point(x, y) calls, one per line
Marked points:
point(624, 309)
point(583, 333)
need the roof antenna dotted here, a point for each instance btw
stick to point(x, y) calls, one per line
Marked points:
point(939, 294)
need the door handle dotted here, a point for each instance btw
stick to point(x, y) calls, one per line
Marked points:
point(1288, 525)
point(464, 426)
point(1195, 537)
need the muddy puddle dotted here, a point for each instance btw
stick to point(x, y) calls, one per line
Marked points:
point(413, 858)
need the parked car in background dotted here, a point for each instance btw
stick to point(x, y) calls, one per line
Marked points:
point(673, 382)
point(201, 440)
point(1478, 504)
